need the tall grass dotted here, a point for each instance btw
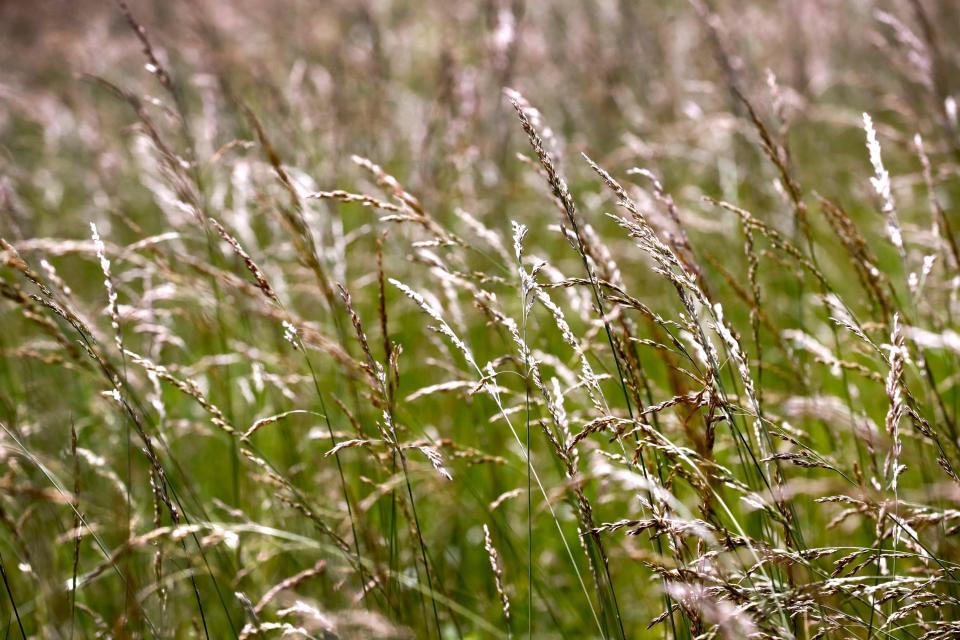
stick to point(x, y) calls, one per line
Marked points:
point(463, 320)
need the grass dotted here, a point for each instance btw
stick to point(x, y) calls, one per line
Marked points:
point(469, 320)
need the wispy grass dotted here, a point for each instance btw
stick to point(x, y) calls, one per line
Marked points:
point(314, 327)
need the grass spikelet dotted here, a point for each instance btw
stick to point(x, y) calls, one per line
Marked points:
point(497, 573)
point(881, 184)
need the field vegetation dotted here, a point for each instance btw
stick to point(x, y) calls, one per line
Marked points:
point(439, 319)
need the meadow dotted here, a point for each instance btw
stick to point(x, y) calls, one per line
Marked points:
point(497, 319)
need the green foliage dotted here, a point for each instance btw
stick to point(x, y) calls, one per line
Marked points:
point(314, 327)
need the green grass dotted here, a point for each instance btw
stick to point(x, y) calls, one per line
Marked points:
point(371, 303)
